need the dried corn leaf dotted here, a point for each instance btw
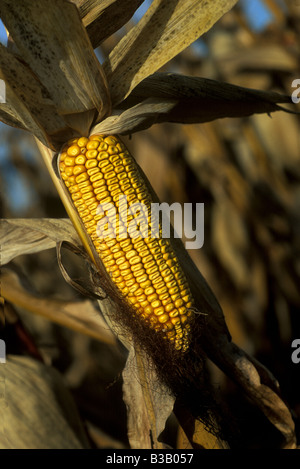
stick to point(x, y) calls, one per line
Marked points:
point(148, 402)
point(196, 436)
point(15, 113)
point(41, 110)
point(175, 98)
point(36, 409)
point(175, 86)
point(53, 41)
point(27, 236)
point(230, 241)
point(263, 57)
point(258, 384)
point(103, 18)
point(80, 316)
point(168, 27)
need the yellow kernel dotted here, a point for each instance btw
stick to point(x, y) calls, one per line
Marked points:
point(168, 325)
point(163, 318)
point(92, 171)
point(141, 297)
point(73, 150)
point(87, 218)
point(79, 203)
point(92, 145)
point(86, 189)
point(112, 150)
point(138, 269)
point(101, 195)
point(153, 297)
point(178, 303)
point(134, 288)
point(125, 243)
point(139, 292)
point(142, 278)
point(155, 304)
point(150, 264)
point(109, 175)
point(161, 290)
point(110, 140)
point(102, 156)
point(126, 158)
point(152, 269)
point(87, 196)
point(78, 170)
point(113, 180)
point(134, 260)
point(145, 284)
point(149, 291)
point(96, 137)
point(121, 285)
point(80, 159)
point(122, 263)
point(143, 304)
point(69, 171)
point(81, 178)
point(185, 292)
point(108, 168)
point(73, 189)
point(148, 310)
point(174, 313)
point(69, 161)
point(119, 169)
point(91, 154)
point(82, 142)
point(175, 321)
point(164, 296)
point(83, 212)
point(155, 278)
point(91, 164)
point(169, 307)
point(183, 319)
point(158, 311)
point(97, 183)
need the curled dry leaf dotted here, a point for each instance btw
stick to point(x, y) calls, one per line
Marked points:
point(67, 67)
point(103, 18)
point(148, 402)
point(166, 97)
point(49, 416)
point(36, 100)
point(168, 27)
point(27, 236)
point(258, 384)
point(194, 434)
point(80, 316)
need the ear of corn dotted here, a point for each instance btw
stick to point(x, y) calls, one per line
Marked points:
point(99, 172)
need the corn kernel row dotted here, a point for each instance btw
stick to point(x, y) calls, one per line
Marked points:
point(97, 171)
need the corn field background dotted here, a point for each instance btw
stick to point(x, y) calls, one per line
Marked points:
point(246, 172)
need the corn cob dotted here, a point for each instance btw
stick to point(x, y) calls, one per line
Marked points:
point(145, 269)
